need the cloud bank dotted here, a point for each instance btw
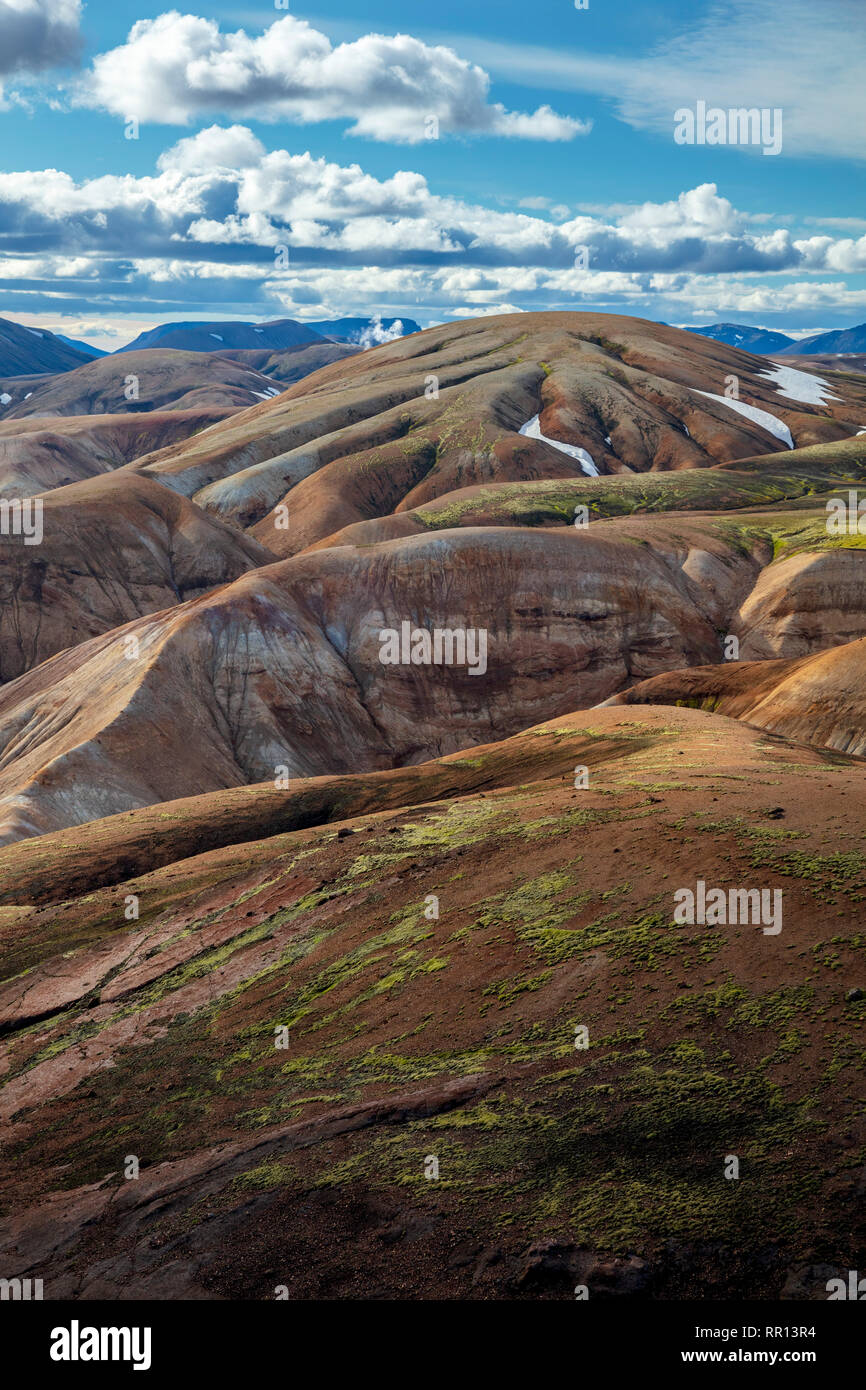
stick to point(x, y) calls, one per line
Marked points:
point(224, 224)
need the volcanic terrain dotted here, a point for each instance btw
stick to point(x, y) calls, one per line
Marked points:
point(375, 968)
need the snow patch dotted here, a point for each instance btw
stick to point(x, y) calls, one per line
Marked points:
point(800, 386)
point(217, 336)
point(532, 430)
point(763, 418)
point(5, 398)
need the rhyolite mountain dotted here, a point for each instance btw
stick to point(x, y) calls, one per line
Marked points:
point(155, 379)
point(41, 452)
point(197, 722)
point(113, 548)
point(285, 366)
point(282, 668)
point(403, 500)
point(816, 698)
point(397, 427)
point(829, 362)
point(197, 388)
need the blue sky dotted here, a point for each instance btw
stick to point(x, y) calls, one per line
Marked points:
point(437, 161)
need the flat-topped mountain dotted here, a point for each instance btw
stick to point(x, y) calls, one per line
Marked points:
point(201, 336)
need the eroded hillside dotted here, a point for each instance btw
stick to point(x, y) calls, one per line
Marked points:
point(432, 965)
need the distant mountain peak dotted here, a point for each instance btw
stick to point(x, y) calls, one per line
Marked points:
point(742, 335)
point(87, 348)
point(204, 336)
point(26, 351)
point(838, 340)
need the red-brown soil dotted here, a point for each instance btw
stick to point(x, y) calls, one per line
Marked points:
point(452, 1037)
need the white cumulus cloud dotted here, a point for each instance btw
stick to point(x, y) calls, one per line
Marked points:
point(178, 67)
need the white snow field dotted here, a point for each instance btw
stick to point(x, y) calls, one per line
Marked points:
point(532, 430)
point(751, 412)
point(800, 386)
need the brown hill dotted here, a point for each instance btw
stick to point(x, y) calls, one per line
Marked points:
point(156, 379)
point(15, 389)
point(112, 549)
point(51, 868)
point(434, 968)
point(395, 427)
point(63, 428)
point(817, 699)
point(829, 362)
point(799, 478)
point(39, 454)
point(378, 976)
point(288, 365)
point(282, 668)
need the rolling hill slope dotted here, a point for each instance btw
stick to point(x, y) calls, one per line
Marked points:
point(112, 549)
point(403, 424)
point(287, 1033)
point(158, 379)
